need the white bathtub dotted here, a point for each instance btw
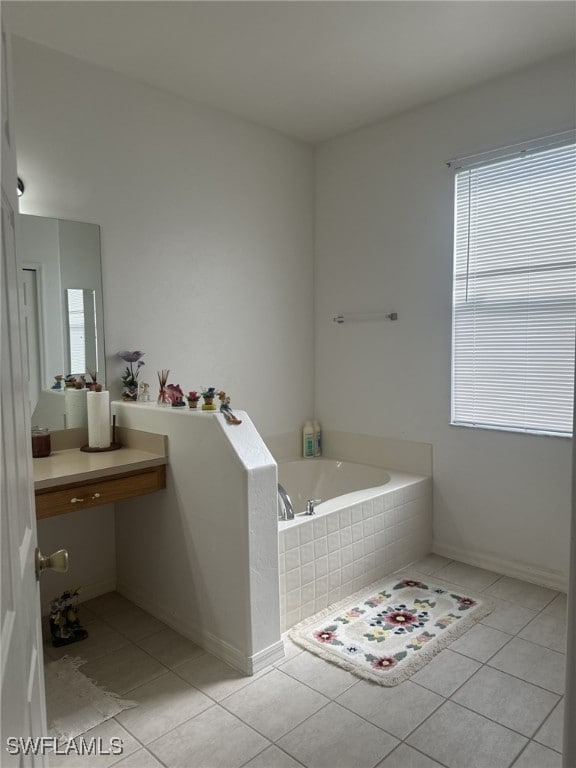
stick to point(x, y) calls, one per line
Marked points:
point(337, 484)
point(371, 521)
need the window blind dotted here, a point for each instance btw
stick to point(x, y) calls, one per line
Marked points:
point(514, 299)
point(76, 331)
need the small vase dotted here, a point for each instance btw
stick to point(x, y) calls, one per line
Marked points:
point(163, 398)
point(130, 394)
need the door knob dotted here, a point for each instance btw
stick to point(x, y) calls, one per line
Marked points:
point(57, 561)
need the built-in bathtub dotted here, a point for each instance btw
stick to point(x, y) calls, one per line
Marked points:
point(369, 523)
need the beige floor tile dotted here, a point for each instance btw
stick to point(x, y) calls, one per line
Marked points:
point(337, 738)
point(551, 732)
point(508, 617)
point(107, 605)
point(163, 703)
point(110, 736)
point(480, 642)
point(274, 704)
point(536, 756)
point(212, 739)
point(398, 709)
point(319, 674)
point(446, 672)
point(532, 663)
point(507, 700)
point(169, 647)
point(213, 676)
point(467, 576)
point(458, 738)
point(407, 757)
point(547, 630)
point(124, 669)
point(272, 757)
point(558, 607)
point(521, 593)
point(140, 759)
point(135, 623)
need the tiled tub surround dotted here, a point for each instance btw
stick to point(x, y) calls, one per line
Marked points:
point(331, 555)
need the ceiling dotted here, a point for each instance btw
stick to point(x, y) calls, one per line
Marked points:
point(312, 69)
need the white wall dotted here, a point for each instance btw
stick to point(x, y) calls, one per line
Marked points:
point(89, 537)
point(202, 555)
point(206, 227)
point(384, 242)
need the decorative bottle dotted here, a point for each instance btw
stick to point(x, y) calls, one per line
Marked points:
point(308, 440)
point(317, 438)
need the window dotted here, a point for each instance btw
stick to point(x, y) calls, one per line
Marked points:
point(514, 302)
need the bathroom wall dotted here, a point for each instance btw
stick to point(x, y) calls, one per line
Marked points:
point(384, 242)
point(206, 239)
point(89, 537)
point(206, 224)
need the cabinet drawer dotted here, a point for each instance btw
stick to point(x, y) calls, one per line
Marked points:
point(104, 491)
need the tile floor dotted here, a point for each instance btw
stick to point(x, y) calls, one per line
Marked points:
point(493, 699)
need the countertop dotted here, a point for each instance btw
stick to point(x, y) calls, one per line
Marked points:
point(73, 466)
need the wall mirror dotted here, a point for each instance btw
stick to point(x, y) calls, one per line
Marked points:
point(61, 279)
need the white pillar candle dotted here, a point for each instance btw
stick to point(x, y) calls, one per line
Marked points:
point(98, 419)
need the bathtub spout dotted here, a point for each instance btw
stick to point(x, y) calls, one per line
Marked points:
point(310, 506)
point(285, 508)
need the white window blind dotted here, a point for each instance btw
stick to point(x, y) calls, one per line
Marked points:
point(514, 302)
point(76, 330)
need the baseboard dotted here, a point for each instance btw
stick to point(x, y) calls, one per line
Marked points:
point(86, 593)
point(490, 562)
point(248, 665)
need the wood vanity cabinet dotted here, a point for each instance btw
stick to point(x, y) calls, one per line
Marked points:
point(105, 490)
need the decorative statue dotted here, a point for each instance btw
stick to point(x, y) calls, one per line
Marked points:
point(64, 624)
point(175, 395)
point(130, 377)
point(225, 409)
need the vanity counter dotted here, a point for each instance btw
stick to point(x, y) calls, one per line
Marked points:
point(70, 479)
point(74, 466)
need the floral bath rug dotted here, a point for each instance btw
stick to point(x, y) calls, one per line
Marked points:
point(391, 629)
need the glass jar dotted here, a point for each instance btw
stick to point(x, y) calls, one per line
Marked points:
point(40, 442)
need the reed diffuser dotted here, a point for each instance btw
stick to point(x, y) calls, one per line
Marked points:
point(163, 398)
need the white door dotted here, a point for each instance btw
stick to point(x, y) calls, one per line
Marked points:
point(22, 675)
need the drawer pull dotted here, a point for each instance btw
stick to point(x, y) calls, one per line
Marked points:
point(74, 500)
point(96, 496)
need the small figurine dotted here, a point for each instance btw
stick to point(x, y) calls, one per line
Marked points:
point(64, 624)
point(175, 395)
point(208, 395)
point(58, 384)
point(193, 398)
point(225, 409)
point(143, 392)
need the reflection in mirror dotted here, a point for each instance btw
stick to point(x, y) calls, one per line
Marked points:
point(62, 284)
point(82, 332)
